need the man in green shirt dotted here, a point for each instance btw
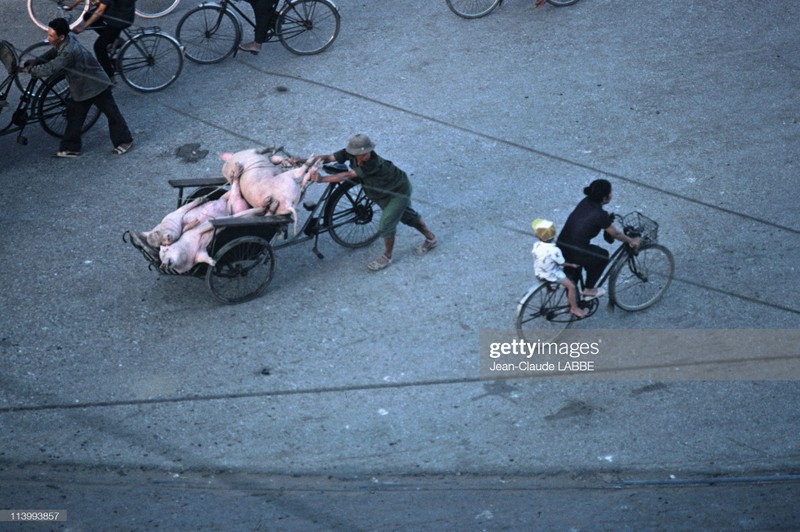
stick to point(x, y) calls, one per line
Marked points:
point(386, 185)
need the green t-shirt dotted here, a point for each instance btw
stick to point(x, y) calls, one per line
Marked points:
point(380, 178)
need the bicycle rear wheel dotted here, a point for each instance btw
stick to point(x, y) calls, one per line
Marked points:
point(472, 8)
point(640, 281)
point(556, 3)
point(43, 11)
point(208, 34)
point(350, 216)
point(53, 98)
point(150, 62)
point(242, 270)
point(543, 313)
point(155, 8)
point(307, 27)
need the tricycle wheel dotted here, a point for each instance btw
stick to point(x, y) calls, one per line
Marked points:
point(243, 268)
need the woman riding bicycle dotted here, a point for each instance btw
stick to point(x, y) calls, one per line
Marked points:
point(585, 222)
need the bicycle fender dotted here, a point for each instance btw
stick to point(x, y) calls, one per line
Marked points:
point(535, 286)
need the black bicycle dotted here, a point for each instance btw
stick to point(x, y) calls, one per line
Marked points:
point(43, 101)
point(148, 59)
point(213, 31)
point(637, 279)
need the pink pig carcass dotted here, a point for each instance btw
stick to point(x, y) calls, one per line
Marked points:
point(192, 247)
point(171, 227)
point(261, 186)
point(250, 161)
point(217, 208)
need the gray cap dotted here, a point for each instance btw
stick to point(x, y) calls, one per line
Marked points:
point(359, 145)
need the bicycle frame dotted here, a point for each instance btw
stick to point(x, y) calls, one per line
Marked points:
point(314, 224)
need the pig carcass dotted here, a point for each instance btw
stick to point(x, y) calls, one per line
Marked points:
point(171, 227)
point(251, 161)
point(192, 247)
point(217, 208)
point(262, 186)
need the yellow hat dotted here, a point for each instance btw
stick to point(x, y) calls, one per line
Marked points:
point(544, 229)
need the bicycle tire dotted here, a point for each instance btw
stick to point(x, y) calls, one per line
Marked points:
point(208, 34)
point(642, 279)
point(543, 313)
point(350, 216)
point(472, 8)
point(555, 3)
point(43, 11)
point(150, 61)
point(242, 270)
point(308, 27)
point(52, 100)
point(155, 8)
point(31, 52)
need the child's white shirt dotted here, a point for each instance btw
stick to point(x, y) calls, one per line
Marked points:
point(547, 261)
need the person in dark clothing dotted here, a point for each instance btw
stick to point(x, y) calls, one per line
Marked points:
point(585, 222)
point(108, 18)
point(264, 11)
point(88, 85)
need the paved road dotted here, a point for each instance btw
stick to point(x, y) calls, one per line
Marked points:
point(691, 111)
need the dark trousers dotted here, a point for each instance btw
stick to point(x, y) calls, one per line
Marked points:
point(76, 114)
point(594, 260)
point(106, 36)
point(264, 11)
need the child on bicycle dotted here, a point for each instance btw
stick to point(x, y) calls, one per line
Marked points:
point(548, 262)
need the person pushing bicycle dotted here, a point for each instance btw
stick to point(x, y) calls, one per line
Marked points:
point(385, 184)
point(88, 85)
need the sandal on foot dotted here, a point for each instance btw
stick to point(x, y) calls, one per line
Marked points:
point(251, 47)
point(379, 263)
point(426, 246)
point(122, 148)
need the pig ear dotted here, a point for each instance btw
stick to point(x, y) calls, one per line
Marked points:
point(227, 156)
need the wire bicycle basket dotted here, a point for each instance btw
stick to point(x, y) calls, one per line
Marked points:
point(637, 224)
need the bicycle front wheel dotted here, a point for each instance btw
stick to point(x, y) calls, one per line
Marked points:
point(640, 281)
point(43, 11)
point(307, 27)
point(155, 8)
point(350, 216)
point(208, 34)
point(472, 8)
point(543, 313)
point(556, 3)
point(150, 62)
point(53, 98)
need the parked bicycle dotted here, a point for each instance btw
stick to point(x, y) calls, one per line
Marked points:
point(213, 31)
point(481, 8)
point(637, 279)
point(148, 60)
point(43, 11)
point(43, 101)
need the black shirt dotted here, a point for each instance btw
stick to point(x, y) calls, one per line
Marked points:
point(583, 224)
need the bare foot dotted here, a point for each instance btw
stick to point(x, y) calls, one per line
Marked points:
point(577, 312)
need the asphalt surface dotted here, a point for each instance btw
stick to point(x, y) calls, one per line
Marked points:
point(352, 400)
